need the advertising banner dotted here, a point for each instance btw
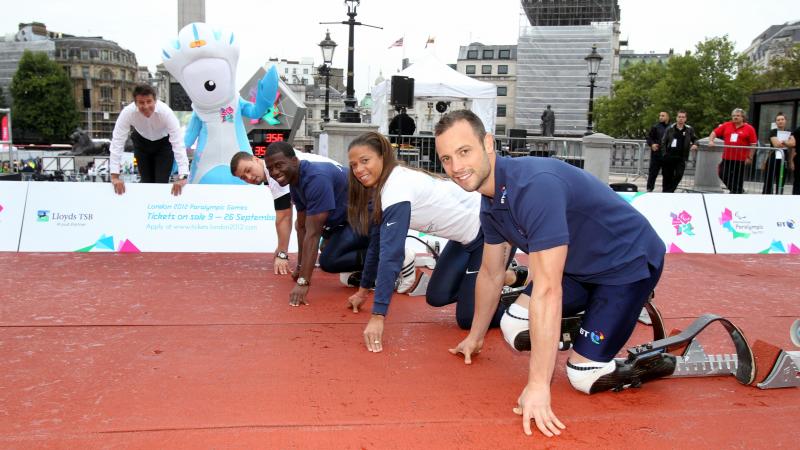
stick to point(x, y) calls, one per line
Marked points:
point(90, 217)
point(12, 206)
point(679, 219)
point(755, 223)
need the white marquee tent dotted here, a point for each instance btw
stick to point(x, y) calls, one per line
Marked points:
point(434, 81)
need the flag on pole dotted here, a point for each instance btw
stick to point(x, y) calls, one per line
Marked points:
point(430, 40)
point(397, 43)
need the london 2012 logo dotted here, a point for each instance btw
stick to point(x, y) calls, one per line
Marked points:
point(682, 222)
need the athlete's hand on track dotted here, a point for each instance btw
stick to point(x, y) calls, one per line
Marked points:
point(468, 347)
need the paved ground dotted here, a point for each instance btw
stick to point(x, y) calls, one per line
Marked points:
point(202, 351)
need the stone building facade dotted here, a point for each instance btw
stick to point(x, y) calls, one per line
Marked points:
point(107, 70)
point(496, 64)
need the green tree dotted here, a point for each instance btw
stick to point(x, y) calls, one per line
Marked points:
point(708, 84)
point(3, 101)
point(43, 101)
point(726, 80)
point(628, 112)
point(783, 72)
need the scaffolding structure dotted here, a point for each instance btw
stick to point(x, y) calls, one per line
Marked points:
point(542, 13)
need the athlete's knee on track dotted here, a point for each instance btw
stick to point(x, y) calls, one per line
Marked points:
point(437, 297)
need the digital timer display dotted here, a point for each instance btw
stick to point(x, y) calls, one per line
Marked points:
point(260, 150)
point(273, 137)
point(260, 139)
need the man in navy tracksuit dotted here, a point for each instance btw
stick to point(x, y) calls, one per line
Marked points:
point(588, 250)
point(319, 193)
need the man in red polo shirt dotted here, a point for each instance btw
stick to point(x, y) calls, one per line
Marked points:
point(737, 135)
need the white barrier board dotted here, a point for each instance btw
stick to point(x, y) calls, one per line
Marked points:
point(755, 223)
point(217, 218)
point(12, 206)
point(679, 219)
point(147, 218)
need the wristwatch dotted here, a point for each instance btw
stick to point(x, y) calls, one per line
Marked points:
point(183, 177)
point(282, 255)
point(302, 282)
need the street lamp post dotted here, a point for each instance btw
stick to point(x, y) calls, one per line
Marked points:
point(350, 113)
point(593, 59)
point(87, 95)
point(328, 46)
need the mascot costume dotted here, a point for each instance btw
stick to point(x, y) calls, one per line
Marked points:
point(203, 60)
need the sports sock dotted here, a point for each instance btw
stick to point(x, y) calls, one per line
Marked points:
point(583, 375)
point(513, 322)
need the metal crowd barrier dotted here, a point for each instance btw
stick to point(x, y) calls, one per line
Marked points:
point(627, 160)
point(768, 173)
point(630, 163)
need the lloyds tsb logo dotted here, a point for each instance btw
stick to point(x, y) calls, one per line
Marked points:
point(43, 215)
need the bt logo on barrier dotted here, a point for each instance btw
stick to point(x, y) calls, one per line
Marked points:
point(790, 224)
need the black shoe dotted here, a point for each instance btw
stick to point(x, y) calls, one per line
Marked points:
point(569, 331)
point(633, 374)
point(509, 295)
point(522, 276)
point(522, 343)
point(351, 279)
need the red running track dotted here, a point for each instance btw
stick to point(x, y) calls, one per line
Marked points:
point(203, 351)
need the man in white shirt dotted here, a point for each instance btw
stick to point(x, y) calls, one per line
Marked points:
point(157, 139)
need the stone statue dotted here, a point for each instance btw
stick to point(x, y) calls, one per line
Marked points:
point(83, 144)
point(548, 122)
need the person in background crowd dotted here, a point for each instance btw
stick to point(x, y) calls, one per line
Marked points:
point(738, 136)
point(656, 152)
point(794, 159)
point(679, 139)
point(775, 167)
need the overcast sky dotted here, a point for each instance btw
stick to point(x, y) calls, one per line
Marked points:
point(291, 29)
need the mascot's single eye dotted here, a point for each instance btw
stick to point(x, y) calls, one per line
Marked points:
point(210, 85)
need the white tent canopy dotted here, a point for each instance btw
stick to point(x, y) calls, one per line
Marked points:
point(434, 80)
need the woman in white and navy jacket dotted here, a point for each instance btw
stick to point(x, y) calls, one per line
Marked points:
point(387, 199)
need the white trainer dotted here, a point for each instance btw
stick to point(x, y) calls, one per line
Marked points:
point(407, 278)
